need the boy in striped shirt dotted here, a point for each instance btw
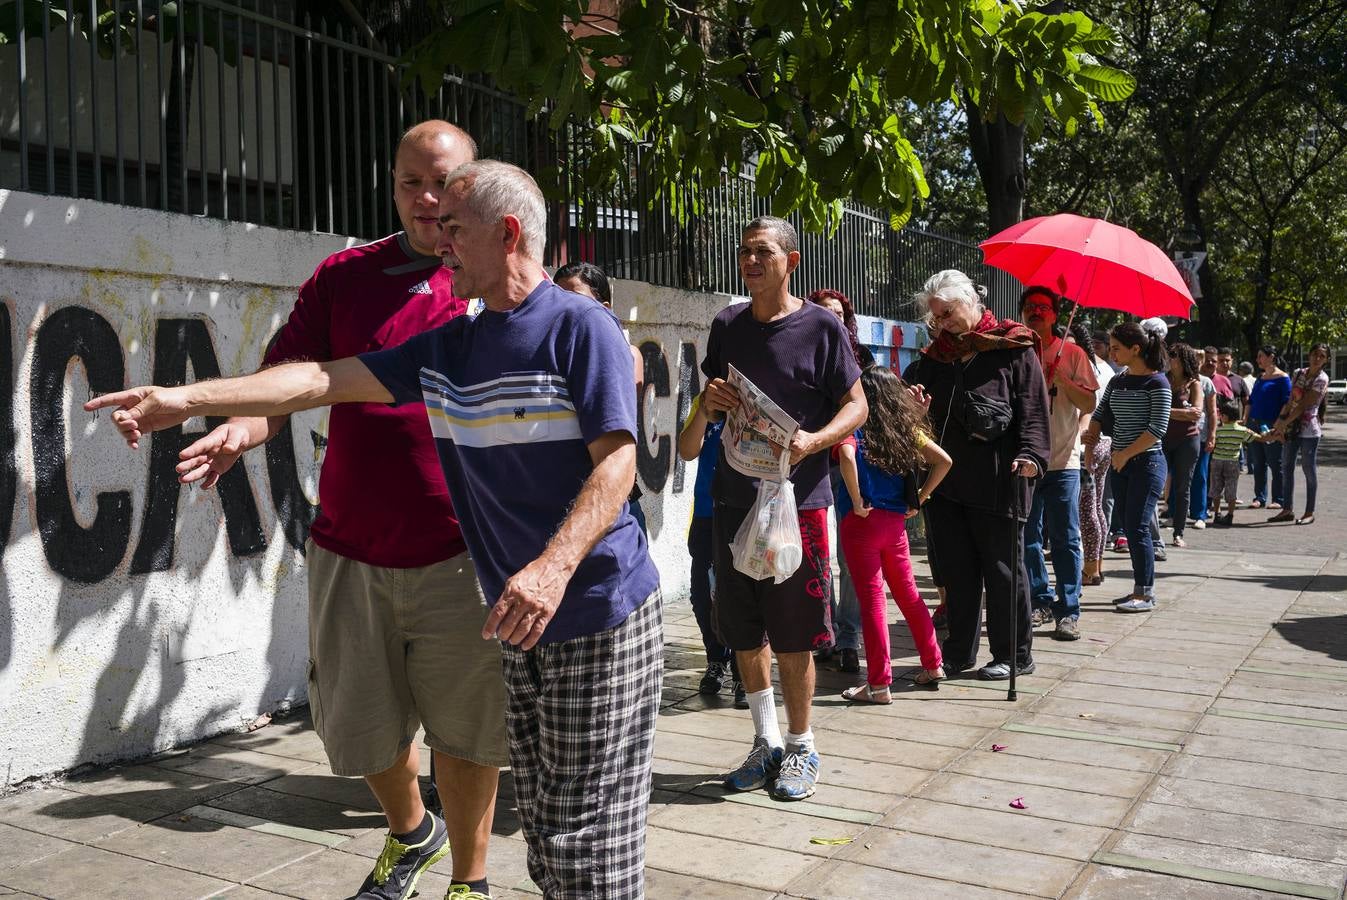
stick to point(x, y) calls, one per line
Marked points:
point(1231, 437)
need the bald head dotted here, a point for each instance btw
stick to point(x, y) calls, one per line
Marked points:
point(426, 154)
point(437, 134)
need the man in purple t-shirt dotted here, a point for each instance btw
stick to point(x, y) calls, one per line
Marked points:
point(534, 421)
point(799, 355)
point(394, 603)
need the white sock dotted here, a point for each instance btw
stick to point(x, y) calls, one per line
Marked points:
point(763, 706)
point(807, 738)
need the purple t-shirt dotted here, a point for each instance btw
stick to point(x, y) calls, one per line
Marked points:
point(804, 362)
point(514, 399)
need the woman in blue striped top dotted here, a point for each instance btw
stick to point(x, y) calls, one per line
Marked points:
point(1134, 412)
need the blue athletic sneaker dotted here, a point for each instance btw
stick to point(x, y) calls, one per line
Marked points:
point(798, 775)
point(757, 770)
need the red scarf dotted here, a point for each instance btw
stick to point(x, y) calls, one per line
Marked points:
point(989, 333)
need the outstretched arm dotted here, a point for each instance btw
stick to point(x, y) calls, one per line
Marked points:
point(277, 391)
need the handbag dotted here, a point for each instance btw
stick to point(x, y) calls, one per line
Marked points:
point(983, 418)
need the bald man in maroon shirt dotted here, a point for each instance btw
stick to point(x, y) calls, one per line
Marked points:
point(395, 612)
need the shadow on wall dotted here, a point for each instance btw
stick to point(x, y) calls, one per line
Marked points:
point(129, 563)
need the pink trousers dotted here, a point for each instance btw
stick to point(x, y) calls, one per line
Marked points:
point(876, 551)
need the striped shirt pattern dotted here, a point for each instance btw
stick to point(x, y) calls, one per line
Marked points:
point(1134, 405)
point(528, 407)
point(1230, 436)
point(514, 399)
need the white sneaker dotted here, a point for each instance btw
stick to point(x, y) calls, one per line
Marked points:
point(1200, 524)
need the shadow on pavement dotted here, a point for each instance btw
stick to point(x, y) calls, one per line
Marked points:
point(1319, 634)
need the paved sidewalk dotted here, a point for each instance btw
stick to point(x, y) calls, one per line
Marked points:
point(1198, 751)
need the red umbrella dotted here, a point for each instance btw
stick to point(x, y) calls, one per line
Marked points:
point(1092, 262)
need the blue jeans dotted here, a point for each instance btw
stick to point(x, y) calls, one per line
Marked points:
point(1136, 491)
point(1056, 506)
point(703, 581)
point(1181, 456)
point(846, 609)
point(1308, 449)
point(1263, 457)
point(1198, 506)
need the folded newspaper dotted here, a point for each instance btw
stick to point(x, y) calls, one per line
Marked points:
point(756, 432)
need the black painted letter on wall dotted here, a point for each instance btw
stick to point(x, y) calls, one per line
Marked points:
point(78, 553)
point(178, 342)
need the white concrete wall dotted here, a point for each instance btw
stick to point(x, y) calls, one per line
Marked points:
point(111, 663)
point(114, 643)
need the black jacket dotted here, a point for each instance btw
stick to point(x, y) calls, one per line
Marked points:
point(981, 476)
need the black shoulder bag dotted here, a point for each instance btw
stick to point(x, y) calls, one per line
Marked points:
point(984, 419)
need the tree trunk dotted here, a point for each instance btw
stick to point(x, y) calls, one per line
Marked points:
point(1209, 304)
point(998, 151)
point(1253, 328)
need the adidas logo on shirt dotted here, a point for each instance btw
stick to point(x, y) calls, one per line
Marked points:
point(420, 288)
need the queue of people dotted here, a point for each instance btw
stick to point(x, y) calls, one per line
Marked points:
point(480, 568)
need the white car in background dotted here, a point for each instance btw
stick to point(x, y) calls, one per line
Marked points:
point(1337, 392)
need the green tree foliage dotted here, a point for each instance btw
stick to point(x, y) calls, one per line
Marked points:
point(1280, 211)
point(810, 91)
point(1207, 71)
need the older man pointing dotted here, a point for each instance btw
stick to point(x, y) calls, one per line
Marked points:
point(531, 406)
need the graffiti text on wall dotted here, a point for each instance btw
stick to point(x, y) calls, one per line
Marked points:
point(92, 552)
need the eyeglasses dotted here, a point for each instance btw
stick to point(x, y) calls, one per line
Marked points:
point(1032, 307)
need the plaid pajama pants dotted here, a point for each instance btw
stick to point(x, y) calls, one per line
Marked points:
point(580, 715)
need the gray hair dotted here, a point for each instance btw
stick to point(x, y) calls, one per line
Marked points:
point(951, 286)
point(783, 231)
point(497, 190)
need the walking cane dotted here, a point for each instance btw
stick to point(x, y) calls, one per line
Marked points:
point(1015, 553)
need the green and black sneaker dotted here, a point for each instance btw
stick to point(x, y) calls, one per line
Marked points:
point(400, 865)
point(463, 892)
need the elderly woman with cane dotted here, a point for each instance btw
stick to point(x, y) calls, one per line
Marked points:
point(989, 407)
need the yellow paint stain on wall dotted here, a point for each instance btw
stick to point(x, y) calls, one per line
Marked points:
point(259, 305)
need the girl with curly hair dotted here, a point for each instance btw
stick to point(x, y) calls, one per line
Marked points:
point(892, 446)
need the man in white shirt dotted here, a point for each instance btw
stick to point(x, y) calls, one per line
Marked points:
point(1056, 508)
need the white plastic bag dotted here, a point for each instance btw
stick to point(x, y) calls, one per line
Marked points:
point(767, 544)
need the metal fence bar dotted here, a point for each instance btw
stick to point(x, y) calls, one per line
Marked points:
point(140, 104)
point(180, 61)
point(275, 48)
point(243, 128)
point(200, 75)
point(327, 130)
point(117, 100)
point(258, 119)
point(50, 133)
point(220, 108)
point(162, 104)
point(22, 35)
point(70, 97)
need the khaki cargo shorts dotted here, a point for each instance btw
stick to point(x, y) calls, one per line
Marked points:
point(394, 649)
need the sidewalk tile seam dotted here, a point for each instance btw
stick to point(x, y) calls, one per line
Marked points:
point(1323, 676)
point(1215, 876)
point(1247, 814)
point(1070, 734)
point(1273, 717)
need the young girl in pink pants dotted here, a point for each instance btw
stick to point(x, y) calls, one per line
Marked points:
point(892, 446)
